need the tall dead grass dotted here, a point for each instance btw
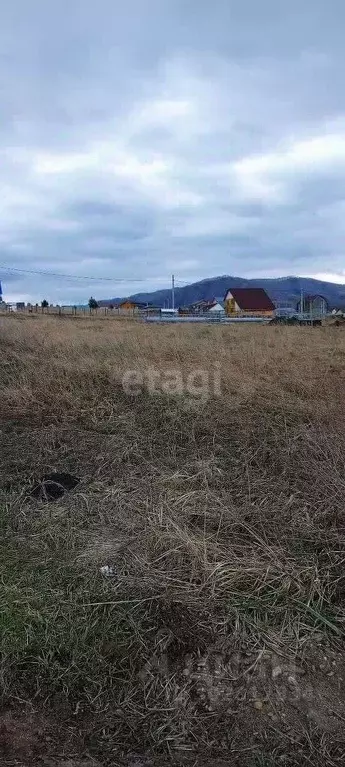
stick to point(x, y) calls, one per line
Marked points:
point(222, 520)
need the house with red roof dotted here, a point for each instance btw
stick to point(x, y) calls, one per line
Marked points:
point(251, 302)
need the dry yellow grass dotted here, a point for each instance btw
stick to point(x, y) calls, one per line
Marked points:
point(219, 637)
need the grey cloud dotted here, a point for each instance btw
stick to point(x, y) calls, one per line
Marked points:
point(144, 137)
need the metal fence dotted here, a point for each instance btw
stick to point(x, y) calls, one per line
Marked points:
point(204, 319)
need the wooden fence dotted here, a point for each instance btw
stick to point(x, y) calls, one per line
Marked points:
point(72, 311)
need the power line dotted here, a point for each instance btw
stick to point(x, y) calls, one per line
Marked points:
point(152, 280)
point(80, 276)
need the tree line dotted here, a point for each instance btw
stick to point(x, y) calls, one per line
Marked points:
point(92, 303)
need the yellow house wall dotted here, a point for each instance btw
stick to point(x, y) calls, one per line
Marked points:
point(127, 305)
point(233, 309)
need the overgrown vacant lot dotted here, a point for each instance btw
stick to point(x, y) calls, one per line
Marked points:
point(214, 635)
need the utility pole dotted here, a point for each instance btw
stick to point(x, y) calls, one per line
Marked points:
point(172, 291)
point(301, 309)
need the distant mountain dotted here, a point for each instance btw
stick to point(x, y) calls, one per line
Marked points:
point(281, 290)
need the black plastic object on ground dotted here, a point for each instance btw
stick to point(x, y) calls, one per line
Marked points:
point(54, 485)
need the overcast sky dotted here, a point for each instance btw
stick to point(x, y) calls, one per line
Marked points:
point(144, 137)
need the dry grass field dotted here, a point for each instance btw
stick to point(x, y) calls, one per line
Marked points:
point(214, 634)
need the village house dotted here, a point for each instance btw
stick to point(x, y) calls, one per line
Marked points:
point(131, 306)
point(216, 308)
point(214, 305)
point(251, 302)
point(136, 307)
